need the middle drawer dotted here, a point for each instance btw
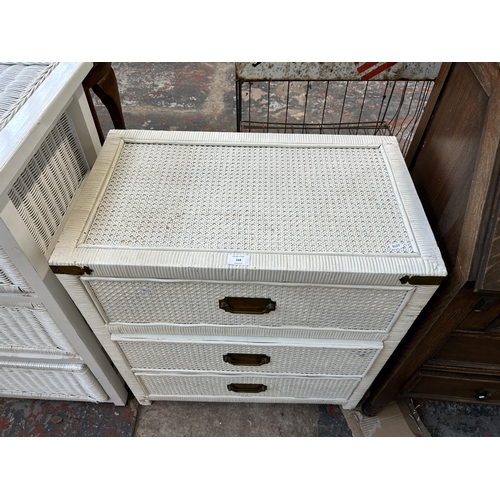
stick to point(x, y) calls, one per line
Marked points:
point(338, 357)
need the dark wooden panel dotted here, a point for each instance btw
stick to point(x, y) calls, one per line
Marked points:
point(443, 167)
point(456, 388)
point(489, 270)
point(483, 314)
point(471, 348)
point(455, 169)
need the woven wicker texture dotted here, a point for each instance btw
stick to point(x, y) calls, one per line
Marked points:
point(11, 280)
point(136, 301)
point(49, 381)
point(46, 187)
point(277, 387)
point(208, 356)
point(18, 81)
point(31, 326)
point(251, 198)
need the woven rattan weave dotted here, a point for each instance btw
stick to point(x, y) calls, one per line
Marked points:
point(49, 381)
point(204, 194)
point(336, 359)
point(137, 301)
point(212, 387)
point(30, 326)
point(45, 189)
point(18, 81)
point(11, 280)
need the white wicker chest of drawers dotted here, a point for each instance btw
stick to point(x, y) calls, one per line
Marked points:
point(248, 267)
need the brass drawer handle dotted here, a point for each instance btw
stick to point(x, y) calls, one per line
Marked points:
point(247, 305)
point(246, 359)
point(253, 388)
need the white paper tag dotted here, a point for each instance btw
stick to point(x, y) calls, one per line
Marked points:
point(396, 246)
point(238, 260)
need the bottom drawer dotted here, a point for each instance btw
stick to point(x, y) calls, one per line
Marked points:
point(456, 387)
point(29, 379)
point(250, 388)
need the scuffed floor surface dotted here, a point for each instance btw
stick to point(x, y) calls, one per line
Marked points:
point(448, 419)
point(28, 417)
point(188, 419)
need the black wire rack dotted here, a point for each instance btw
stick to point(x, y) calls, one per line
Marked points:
point(374, 107)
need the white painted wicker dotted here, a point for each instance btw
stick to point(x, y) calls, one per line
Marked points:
point(328, 227)
point(29, 326)
point(18, 81)
point(214, 387)
point(11, 280)
point(47, 141)
point(118, 329)
point(161, 301)
point(338, 357)
point(46, 187)
point(32, 379)
point(204, 193)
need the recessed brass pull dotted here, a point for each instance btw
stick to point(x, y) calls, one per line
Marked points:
point(247, 305)
point(253, 388)
point(246, 359)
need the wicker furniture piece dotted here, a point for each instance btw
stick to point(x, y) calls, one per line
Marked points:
point(48, 141)
point(248, 267)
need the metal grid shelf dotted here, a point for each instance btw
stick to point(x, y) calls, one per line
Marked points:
point(334, 98)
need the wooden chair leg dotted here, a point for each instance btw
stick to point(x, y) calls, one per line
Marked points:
point(107, 91)
point(102, 80)
point(94, 115)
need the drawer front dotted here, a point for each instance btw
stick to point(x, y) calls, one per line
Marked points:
point(49, 381)
point(30, 327)
point(456, 387)
point(471, 348)
point(200, 302)
point(337, 359)
point(11, 280)
point(247, 387)
point(485, 314)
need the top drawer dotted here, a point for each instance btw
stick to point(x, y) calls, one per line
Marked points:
point(204, 303)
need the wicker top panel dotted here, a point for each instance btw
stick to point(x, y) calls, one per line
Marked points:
point(251, 198)
point(17, 82)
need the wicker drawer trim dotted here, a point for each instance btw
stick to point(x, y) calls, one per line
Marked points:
point(160, 329)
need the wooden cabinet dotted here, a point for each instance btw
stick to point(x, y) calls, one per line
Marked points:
point(452, 352)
